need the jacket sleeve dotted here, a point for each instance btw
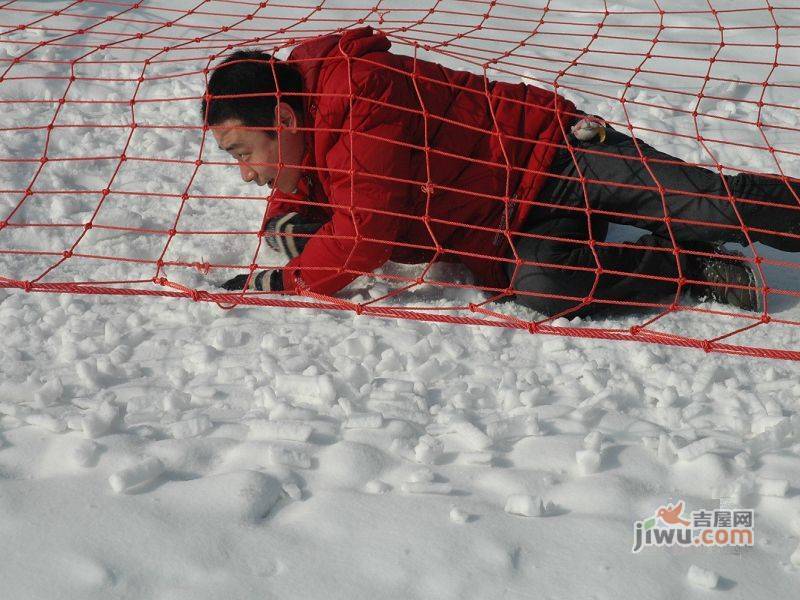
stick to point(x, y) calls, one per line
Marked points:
point(281, 203)
point(370, 169)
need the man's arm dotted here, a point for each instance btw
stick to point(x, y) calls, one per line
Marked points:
point(281, 203)
point(369, 168)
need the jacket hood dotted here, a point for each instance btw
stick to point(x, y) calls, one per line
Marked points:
point(353, 43)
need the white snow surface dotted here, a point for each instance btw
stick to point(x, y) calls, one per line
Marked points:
point(164, 449)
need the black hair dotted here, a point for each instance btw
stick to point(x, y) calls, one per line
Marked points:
point(248, 72)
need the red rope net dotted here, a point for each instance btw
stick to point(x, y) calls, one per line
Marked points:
point(111, 184)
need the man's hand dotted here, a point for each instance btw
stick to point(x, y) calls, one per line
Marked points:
point(288, 234)
point(590, 128)
point(265, 281)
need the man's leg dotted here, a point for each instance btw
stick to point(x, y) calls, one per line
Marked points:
point(694, 216)
point(560, 275)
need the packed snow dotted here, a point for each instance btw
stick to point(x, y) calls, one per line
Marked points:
point(166, 449)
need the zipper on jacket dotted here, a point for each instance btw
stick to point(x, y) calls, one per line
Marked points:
point(512, 209)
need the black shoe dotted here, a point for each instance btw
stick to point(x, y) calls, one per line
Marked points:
point(726, 280)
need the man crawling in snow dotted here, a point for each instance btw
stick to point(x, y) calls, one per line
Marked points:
point(374, 156)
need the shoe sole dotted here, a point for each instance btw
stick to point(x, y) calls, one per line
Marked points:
point(757, 282)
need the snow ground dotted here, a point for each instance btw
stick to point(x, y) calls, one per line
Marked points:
point(154, 448)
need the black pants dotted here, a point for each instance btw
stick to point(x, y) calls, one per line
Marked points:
point(566, 271)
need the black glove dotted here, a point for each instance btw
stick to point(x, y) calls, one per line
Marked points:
point(289, 233)
point(265, 281)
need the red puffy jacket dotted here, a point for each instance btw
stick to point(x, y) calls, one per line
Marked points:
point(413, 162)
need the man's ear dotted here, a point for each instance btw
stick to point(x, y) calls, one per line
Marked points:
point(286, 116)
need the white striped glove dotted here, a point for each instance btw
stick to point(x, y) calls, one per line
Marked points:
point(289, 233)
point(265, 281)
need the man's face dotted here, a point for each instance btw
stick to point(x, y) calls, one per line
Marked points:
point(259, 154)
